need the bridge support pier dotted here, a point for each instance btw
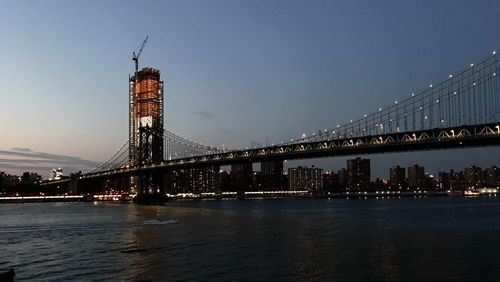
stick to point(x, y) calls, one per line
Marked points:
point(73, 186)
point(150, 189)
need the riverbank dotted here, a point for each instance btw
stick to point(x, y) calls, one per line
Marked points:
point(253, 195)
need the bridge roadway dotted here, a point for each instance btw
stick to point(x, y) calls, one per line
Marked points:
point(439, 138)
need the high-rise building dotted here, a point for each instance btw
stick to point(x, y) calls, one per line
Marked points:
point(342, 177)
point(416, 176)
point(271, 175)
point(193, 180)
point(473, 176)
point(328, 180)
point(304, 178)
point(492, 177)
point(145, 117)
point(358, 173)
point(397, 175)
point(241, 177)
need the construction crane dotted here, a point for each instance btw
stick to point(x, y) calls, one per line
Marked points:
point(135, 57)
point(132, 104)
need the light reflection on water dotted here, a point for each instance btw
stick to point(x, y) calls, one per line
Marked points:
point(345, 240)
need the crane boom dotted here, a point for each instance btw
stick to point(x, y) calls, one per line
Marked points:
point(135, 57)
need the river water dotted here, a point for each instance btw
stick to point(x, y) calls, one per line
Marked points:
point(410, 239)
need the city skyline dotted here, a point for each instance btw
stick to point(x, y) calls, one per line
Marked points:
point(67, 95)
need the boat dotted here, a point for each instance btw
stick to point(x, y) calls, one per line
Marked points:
point(159, 222)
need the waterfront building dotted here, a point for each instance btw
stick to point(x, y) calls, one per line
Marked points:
point(271, 175)
point(397, 177)
point(242, 177)
point(194, 180)
point(358, 173)
point(416, 176)
point(304, 178)
point(342, 177)
point(492, 177)
point(473, 177)
point(328, 180)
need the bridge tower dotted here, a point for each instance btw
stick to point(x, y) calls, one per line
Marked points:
point(146, 117)
point(146, 130)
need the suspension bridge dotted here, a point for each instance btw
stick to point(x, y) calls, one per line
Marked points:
point(462, 110)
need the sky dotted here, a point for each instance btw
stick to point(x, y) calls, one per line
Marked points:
point(236, 72)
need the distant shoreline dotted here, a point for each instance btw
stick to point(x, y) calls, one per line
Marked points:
point(246, 195)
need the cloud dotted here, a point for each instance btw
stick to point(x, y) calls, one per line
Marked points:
point(18, 160)
point(21, 149)
point(205, 114)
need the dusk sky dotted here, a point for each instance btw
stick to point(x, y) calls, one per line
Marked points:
point(235, 72)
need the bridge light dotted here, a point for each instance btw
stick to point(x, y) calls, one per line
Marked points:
point(421, 108)
point(471, 65)
point(451, 75)
point(430, 85)
point(437, 100)
point(494, 52)
point(494, 73)
point(413, 94)
point(379, 109)
point(338, 125)
point(425, 117)
point(333, 132)
point(455, 93)
point(442, 121)
point(474, 84)
point(366, 115)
